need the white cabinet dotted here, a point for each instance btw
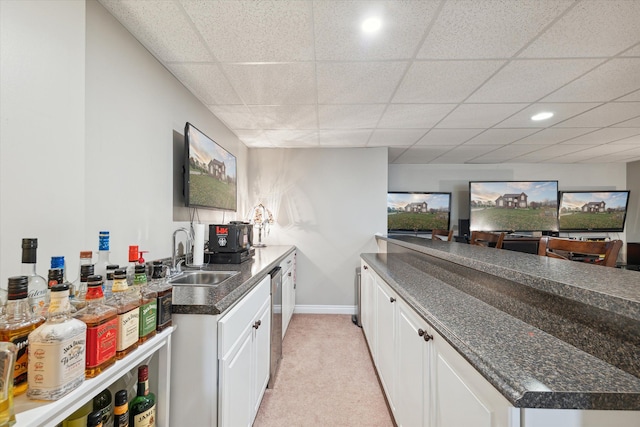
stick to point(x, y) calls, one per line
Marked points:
point(385, 332)
point(243, 350)
point(288, 289)
point(368, 305)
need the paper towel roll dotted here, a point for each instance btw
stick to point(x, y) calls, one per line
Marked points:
point(198, 244)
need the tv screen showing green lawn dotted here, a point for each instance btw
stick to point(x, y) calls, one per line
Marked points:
point(418, 211)
point(593, 210)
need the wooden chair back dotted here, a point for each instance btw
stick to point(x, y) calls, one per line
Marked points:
point(574, 250)
point(483, 238)
point(445, 235)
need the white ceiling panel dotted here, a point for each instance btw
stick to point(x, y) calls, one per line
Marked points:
point(605, 115)
point(589, 29)
point(207, 81)
point(609, 81)
point(479, 115)
point(603, 136)
point(285, 116)
point(448, 136)
point(293, 138)
point(633, 96)
point(349, 116)
point(561, 112)
point(254, 138)
point(394, 137)
point(465, 153)
point(410, 116)
point(631, 123)
point(235, 116)
point(634, 51)
point(358, 82)
point(249, 31)
point(443, 81)
point(504, 136)
point(503, 154)
point(488, 28)
point(553, 136)
point(530, 80)
point(338, 35)
point(632, 140)
point(547, 154)
point(287, 83)
point(343, 138)
point(421, 154)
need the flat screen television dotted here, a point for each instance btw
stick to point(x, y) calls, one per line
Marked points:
point(209, 173)
point(418, 211)
point(513, 206)
point(593, 210)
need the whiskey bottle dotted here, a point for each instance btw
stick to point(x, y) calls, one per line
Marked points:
point(85, 259)
point(165, 294)
point(102, 329)
point(148, 303)
point(103, 403)
point(37, 288)
point(142, 409)
point(94, 419)
point(108, 283)
point(80, 287)
point(128, 309)
point(121, 409)
point(17, 322)
point(57, 350)
point(103, 254)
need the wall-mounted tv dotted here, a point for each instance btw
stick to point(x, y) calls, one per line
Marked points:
point(593, 210)
point(513, 206)
point(418, 211)
point(209, 173)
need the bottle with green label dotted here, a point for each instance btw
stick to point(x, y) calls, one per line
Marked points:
point(148, 303)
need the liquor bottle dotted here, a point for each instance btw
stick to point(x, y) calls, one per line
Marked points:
point(128, 309)
point(94, 419)
point(103, 254)
point(85, 259)
point(79, 417)
point(148, 303)
point(165, 294)
point(81, 286)
point(133, 261)
point(58, 349)
point(37, 292)
point(58, 262)
point(17, 322)
point(103, 404)
point(55, 277)
point(142, 409)
point(121, 409)
point(8, 353)
point(108, 283)
point(102, 329)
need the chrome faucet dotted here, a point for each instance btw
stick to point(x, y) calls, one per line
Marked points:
point(175, 266)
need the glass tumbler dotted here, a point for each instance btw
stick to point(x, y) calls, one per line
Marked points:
point(8, 353)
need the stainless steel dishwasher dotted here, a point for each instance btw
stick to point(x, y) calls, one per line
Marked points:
point(276, 324)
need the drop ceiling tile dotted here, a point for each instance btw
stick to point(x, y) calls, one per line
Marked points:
point(253, 138)
point(418, 155)
point(443, 81)
point(500, 136)
point(488, 28)
point(561, 112)
point(414, 116)
point(530, 80)
point(358, 82)
point(235, 116)
point(273, 84)
point(631, 123)
point(553, 136)
point(634, 51)
point(605, 115)
point(254, 31)
point(603, 136)
point(590, 29)
point(206, 82)
point(633, 96)
point(448, 136)
point(632, 140)
point(465, 153)
point(161, 27)
point(391, 137)
point(503, 154)
point(611, 80)
point(394, 153)
point(479, 115)
point(349, 116)
point(343, 138)
point(285, 116)
point(548, 154)
point(293, 138)
point(338, 34)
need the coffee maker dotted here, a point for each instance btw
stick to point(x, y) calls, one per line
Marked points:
point(230, 243)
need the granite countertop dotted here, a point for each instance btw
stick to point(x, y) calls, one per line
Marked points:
point(531, 367)
point(215, 300)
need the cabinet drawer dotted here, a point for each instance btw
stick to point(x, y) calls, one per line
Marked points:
point(232, 324)
point(288, 263)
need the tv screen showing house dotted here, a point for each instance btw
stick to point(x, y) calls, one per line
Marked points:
point(513, 206)
point(418, 211)
point(593, 210)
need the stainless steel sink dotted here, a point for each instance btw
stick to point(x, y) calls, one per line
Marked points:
point(202, 277)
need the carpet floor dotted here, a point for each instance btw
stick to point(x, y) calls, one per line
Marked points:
point(326, 378)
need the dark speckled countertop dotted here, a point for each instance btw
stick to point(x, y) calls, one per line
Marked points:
point(568, 339)
point(214, 300)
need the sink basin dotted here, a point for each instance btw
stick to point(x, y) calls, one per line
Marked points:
point(209, 278)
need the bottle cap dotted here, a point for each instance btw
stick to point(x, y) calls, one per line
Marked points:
point(112, 266)
point(120, 273)
point(29, 247)
point(29, 243)
point(86, 271)
point(139, 269)
point(133, 253)
point(94, 419)
point(60, 287)
point(17, 288)
point(86, 254)
point(94, 280)
point(121, 398)
point(143, 373)
point(57, 262)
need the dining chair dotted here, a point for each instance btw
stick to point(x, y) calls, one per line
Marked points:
point(595, 252)
point(485, 238)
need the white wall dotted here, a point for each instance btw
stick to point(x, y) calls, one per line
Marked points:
point(329, 203)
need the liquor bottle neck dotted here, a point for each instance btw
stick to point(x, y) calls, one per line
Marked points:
point(28, 269)
point(143, 388)
point(18, 309)
point(59, 307)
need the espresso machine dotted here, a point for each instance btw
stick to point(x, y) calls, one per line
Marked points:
point(230, 243)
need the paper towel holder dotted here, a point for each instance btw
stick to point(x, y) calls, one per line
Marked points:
point(198, 245)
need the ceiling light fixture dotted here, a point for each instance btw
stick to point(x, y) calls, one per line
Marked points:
point(371, 25)
point(542, 116)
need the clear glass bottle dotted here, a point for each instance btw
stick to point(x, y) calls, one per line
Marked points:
point(79, 301)
point(164, 291)
point(148, 303)
point(57, 349)
point(103, 254)
point(128, 309)
point(8, 353)
point(108, 283)
point(37, 285)
point(102, 328)
point(142, 409)
point(17, 322)
point(103, 403)
point(85, 259)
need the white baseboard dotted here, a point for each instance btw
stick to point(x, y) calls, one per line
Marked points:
point(325, 309)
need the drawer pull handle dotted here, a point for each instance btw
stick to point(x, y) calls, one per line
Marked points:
point(289, 274)
point(366, 268)
point(392, 299)
point(420, 332)
point(257, 324)
point(427, 337)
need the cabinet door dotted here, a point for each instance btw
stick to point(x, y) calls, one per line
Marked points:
point(261, 361)
point(235, 388)
point(288, 298)
point(412, 393)
point(385, 339)
point(368, 306)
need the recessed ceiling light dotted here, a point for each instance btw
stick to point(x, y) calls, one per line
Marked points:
point(371, 25)
point(542, 116)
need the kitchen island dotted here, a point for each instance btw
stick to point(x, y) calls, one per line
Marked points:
point(545, 333)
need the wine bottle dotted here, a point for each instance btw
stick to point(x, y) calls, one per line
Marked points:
point(142, 409)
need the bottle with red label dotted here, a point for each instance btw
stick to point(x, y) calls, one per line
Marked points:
point(102, 329)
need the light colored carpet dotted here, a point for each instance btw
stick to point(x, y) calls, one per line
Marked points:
point(326, 378)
